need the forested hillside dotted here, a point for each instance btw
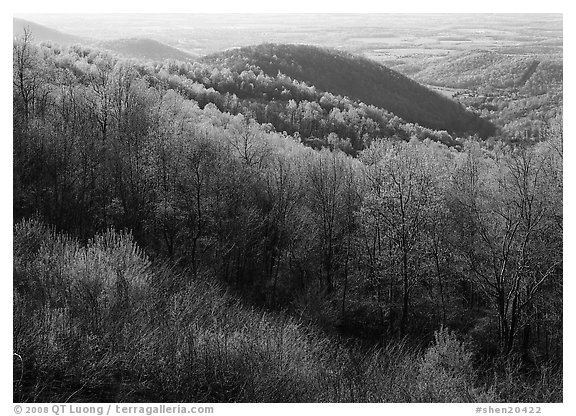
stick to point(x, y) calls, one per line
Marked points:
point(360, 79)
point(480, 68)
point(518, 92)
point(203, 231)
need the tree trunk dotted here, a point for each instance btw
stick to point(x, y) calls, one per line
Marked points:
point(405, 293)
point(345, 279)
point(440, 286)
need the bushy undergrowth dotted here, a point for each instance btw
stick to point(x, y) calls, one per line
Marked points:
point(100, 322)
point(516, 383)
point(446, 372)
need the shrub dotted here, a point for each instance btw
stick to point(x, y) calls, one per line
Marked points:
point(99, 322)
point(446, 372)
point(73, 306)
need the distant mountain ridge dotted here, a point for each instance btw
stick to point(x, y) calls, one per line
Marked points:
point(42, 33)
point(135, 48)
point(142, 48)
point(360, 79)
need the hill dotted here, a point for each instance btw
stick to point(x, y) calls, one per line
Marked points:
point(42, 33)
point(139, 48)
point(482, 69)
point(519, 93)
point(360, 79)
point(136, 48)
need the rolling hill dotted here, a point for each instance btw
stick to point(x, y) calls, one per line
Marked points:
point(42, 33)
point(135, 48)
point(139, 48)
point(480, 69)
point(360, 79)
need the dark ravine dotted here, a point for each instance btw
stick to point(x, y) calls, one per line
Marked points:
point(529, 72)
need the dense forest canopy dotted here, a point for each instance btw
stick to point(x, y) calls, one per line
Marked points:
point(255, 226)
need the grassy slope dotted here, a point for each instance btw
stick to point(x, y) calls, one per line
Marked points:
point(360, 79)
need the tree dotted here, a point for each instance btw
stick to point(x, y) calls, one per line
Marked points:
point(27, 70)
point(284, 193)
point(327, 179)
point(395, 212)
point(508, 233)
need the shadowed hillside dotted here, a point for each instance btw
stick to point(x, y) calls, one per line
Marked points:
point(360, 79)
